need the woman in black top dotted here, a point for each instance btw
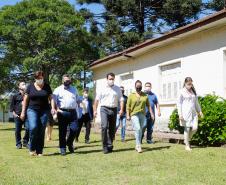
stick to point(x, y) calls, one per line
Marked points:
point(36, 100)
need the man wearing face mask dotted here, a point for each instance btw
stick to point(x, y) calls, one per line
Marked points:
point(66, 100)
point(16, 109)
point(85, 115)
point(153, 100)
point(108, 98)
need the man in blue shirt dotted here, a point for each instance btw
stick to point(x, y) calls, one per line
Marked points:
point(150, 122)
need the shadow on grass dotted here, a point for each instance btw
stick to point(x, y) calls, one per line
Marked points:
point(7, 129)
point(146, 149)
point(86, 146)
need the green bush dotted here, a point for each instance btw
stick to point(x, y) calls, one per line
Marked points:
point(212, 128)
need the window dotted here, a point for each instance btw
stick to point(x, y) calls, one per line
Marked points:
point(127, 83)
point(170, 81)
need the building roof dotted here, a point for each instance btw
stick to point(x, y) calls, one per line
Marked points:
point(151, 43)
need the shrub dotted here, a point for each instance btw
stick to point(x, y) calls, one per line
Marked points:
point(212, 128)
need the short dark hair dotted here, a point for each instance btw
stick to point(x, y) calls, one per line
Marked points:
point(38, 74)
point(86, 89)
point(148, 83)
point(121, 87)
point(138, 81)
point(110, 74)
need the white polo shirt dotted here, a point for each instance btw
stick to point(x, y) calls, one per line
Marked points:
point(109, 96)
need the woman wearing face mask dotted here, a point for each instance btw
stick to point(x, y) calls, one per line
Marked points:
point(36, 101)
point(136, 110)
point(188, 107)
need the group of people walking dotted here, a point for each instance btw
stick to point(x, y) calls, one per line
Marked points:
point(35, 104)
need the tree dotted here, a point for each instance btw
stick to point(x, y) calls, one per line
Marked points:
point(46, 35)
point(125, 23)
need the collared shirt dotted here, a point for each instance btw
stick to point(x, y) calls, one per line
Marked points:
point(84, 105)
point(153, 100)
point(66, 98)
point(16, 103)
point(110, 96)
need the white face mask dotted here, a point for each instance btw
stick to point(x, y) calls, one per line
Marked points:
point(39, 81)
point(110, 83)
point(148, 89)
point(85, 95)
point(23, 87)
point(188, 86)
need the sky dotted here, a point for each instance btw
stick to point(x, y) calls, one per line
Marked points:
point(95, 8)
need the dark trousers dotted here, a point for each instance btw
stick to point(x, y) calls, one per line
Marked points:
point(149, 126)
point(108, 126)
point(85, 119)
point(67, 119)
point(18, 128)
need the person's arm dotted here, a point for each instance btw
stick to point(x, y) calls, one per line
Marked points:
point(53, 104)
point(179, 106)
point(24, 107)
point(150, 109)
point(121, 103)
point(12, 106)
point(128, 108)
point(95, 105)
point(158, 107)
point(198, 107)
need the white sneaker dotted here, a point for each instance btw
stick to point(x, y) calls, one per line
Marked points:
point(188, 148)
point(138, 149)
point(32, 153)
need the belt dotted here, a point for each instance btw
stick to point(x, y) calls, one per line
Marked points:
point(109, 107)
point(68, 110)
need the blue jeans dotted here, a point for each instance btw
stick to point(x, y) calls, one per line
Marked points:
point(138, 120)
point(149, 126)
point(18, 128)
point(37, 124)
point(67, 120)
point(122, 120)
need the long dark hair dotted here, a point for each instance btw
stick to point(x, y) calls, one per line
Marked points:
point(189, 79)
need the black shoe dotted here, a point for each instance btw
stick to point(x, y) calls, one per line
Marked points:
point(71, 148)
point(105, 151)
point(19, 146)
point(110, 149)
point(87, 141)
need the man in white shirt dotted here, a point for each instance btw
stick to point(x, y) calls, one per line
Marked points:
point(108, 98)
point(66, 99)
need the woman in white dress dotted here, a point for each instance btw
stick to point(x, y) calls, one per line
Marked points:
point(188, 110)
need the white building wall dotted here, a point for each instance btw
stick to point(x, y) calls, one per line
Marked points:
point(201, 57)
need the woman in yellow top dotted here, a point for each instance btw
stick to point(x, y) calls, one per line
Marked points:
point(136, 110)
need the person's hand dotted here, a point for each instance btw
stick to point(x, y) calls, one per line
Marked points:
point(15, 115)
point(181, 118)
point(201, 115)
point(22, 116)
point(128, 118)
point(120, 113)
point(53, 111)
point(95, 114)
point(152, 116)
point(159, 114)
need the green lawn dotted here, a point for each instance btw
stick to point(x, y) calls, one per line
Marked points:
point(161, 163)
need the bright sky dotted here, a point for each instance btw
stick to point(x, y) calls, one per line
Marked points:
point(95, 8)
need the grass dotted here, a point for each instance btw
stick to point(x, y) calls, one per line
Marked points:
point(161, 163)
